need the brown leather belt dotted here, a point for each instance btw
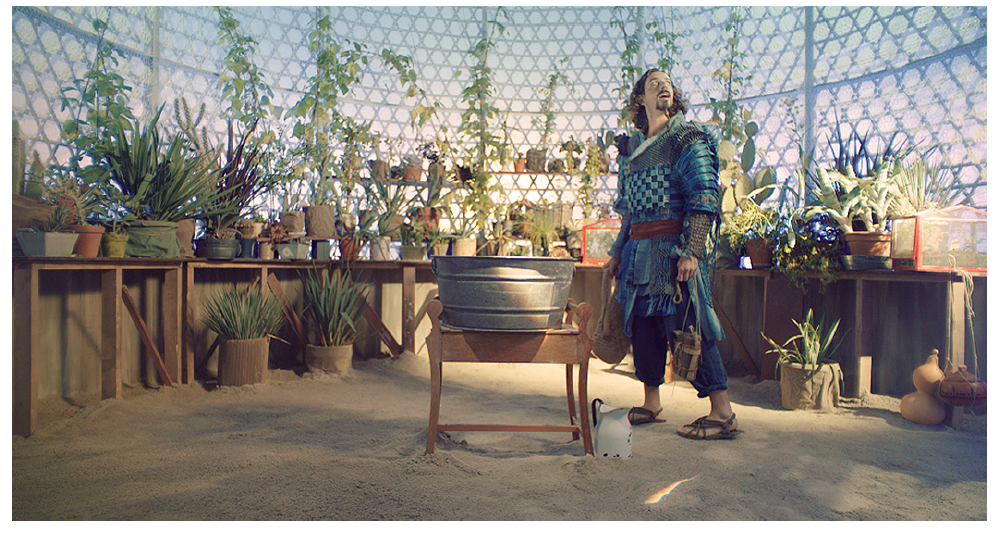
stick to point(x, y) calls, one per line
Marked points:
point(650, 230)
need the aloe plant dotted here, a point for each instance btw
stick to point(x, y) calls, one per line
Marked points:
point(812, 346)
point(243, 315)
point(334, 304)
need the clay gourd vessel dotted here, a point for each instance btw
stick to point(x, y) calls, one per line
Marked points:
point(927, 376)
point(923, 406)
point(962, 389)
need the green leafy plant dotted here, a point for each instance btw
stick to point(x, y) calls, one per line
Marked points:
point(99, 101)
point(816, 251)
point(814, 345)
point(545, 121)
point(921, 186)
point(154, 184)
point(387, 202)
point(474, 120)
point(57, 222)
point(248, 96)
point(243, 314)
point(726, 111)
point(62, 188)
point(334, 304)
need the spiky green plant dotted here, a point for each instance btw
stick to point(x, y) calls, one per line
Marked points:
point(238, 314)
point(334, 304)
point(815, 346)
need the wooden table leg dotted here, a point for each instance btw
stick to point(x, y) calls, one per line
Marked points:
point(25, 355)
point(172, 320)
point(957, 342)
point(434, 343)
point(110, 336)
point(860, 362)
point(569, 378)
point(408, 308)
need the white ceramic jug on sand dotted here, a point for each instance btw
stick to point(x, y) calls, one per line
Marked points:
point(613, 433)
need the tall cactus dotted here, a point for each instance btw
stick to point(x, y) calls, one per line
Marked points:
point(20, 159)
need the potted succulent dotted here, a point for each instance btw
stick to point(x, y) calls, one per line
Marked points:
point(810, 377)
point(158, 187)
point(244, 321)
point(284, 243)
point(334, 304)
point(389, 203)
point(859, 206)
point(65, 189)
point(413, 167)
point(411, 234)
point(49, 237)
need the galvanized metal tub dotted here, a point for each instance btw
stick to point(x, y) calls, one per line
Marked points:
point(497, 293)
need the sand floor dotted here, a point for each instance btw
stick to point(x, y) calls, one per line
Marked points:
point(325, 447)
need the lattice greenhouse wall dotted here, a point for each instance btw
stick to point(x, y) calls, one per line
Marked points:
point(917, 71)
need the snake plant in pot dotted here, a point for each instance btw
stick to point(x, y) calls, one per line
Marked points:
point(244, 321)
point(810, 376)
point(334, 304)
point(157, 186)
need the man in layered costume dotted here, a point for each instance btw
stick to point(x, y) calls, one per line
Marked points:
point(669, 198)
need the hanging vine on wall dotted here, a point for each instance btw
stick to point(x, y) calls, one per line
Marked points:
point(249, 97)
point(726, 111)
point(474, 120)
point(99, 102)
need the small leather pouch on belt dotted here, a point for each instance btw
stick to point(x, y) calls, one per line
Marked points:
point(650, 230)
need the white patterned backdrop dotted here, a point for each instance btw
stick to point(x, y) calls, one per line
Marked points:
point(919, 71)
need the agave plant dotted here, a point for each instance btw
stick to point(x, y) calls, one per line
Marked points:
point(334, 304)
point(243, 315)
point(816, 345)
point(156, 184)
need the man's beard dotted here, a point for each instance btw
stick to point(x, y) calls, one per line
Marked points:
point(670, 110)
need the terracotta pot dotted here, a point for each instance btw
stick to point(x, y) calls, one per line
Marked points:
point(962, 389)
point(349, 248)
point(869, 243)
point(88, 242)
point(243, 362)
point(520, 164)
point(412, 174)
point(333, 359)
point(760, 252)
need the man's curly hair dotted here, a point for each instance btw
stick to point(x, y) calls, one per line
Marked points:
point(639, 115)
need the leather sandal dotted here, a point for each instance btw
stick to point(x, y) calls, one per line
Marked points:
point(639, 415)
point(701, 424)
